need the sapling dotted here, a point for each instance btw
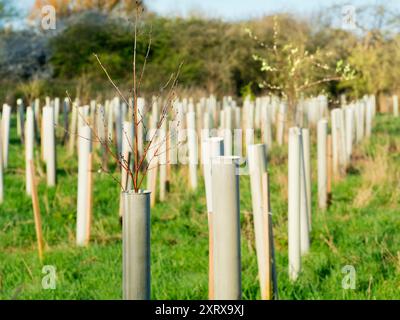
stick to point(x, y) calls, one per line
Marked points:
point(136, 213)
point(36, 210)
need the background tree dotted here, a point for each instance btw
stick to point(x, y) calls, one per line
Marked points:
point(291, 69)
point(291, 58)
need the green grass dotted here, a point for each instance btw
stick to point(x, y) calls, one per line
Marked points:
point(365, 236)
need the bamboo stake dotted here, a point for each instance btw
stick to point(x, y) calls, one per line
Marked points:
point(153, 163)
point(154, 184)
point(211, 293)
point(268, 239)
point(124, 186)
point(36, 211)
point(127, 143)
point(271, 237)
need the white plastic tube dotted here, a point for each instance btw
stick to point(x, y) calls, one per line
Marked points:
point(322, 136)
point(211, 148)
point(395, 106)
point(294, 203)
point(257, 167)
point(136, 246)
point(226, 220)
point(50, 145)
point(192, 148)
point(29, 144)
point(5, 127)
point(1, 170)
point(305, 191)
point(83, 203)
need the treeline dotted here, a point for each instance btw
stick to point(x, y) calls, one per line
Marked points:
point(210, 55)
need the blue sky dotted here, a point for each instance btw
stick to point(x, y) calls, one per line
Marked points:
point(242, 9)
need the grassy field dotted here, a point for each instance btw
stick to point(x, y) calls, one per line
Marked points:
point(361, 228)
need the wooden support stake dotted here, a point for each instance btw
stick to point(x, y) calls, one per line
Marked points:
point(210, 257)
point(153, 196)
point(36, 211)
point(125, 183)
point(272, 246)
point(267, 237)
